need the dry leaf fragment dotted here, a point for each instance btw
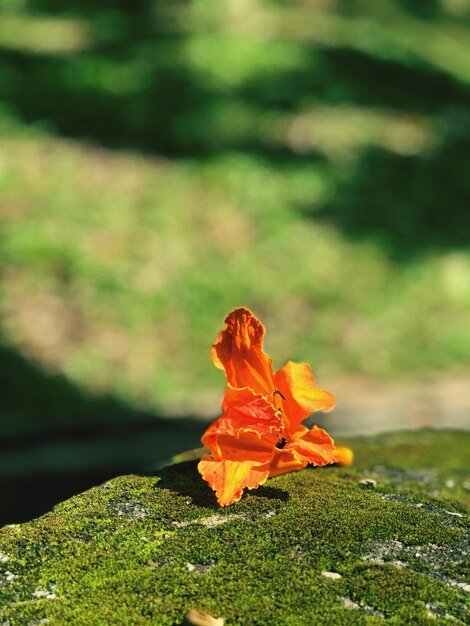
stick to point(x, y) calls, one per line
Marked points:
point(195, 617)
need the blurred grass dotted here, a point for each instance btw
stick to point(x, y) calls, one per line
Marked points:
point(306, 159)
point(43, 35)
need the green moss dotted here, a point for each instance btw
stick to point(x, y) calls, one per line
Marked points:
point(145, 549)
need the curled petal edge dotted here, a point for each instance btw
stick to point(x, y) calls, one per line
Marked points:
point(302, 396)
point(307, 447)
point(230, 478)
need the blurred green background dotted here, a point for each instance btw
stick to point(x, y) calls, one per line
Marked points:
point(163, 161)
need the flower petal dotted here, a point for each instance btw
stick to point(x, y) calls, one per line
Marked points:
point(229, 478)
point(285, 461)
point(313, 446)
point(248, 429)
point(302, 396)
point(244, 406)
point(239, 351)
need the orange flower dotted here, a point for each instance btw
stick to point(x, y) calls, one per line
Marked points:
point(260, 432)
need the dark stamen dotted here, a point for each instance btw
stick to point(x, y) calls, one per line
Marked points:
point(281, 443)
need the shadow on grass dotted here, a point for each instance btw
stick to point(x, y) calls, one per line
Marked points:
point(176, 111)
point(409, 205)
point(56, 441)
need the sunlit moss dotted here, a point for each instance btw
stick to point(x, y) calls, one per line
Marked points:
point(145, 549)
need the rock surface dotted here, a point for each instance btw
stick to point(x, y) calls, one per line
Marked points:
point(147, 549)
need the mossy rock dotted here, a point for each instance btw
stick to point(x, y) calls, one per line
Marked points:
point(310, 547)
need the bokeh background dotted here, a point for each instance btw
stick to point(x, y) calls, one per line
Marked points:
point(164, 161)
